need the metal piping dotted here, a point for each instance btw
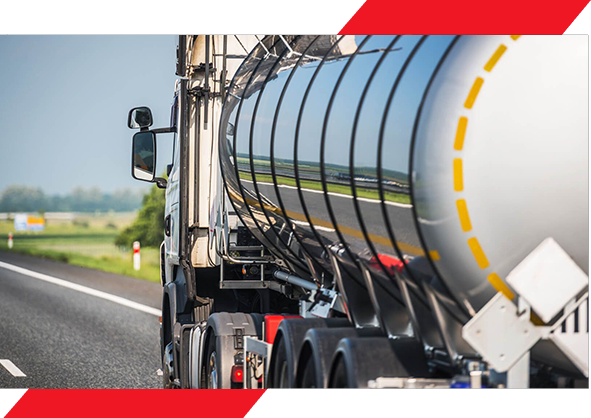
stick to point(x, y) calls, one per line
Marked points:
point(295, 280)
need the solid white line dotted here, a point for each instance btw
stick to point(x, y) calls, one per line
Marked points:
point(321, 228)
point(82, 289)
point(346, 196)
point(15, 371)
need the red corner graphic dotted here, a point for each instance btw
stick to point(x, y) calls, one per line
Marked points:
point(145, 403)
point(464, 17)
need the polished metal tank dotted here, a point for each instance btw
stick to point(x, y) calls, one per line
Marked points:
point(446, 156)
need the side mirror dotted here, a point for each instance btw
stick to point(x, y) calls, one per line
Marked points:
point(143, 156)
point(139, 117)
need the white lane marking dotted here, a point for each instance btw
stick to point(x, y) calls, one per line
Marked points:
point(321, 228)
point(83, 289)
point(12, 369)
point(346, 196)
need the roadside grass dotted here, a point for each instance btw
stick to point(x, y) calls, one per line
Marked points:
point(87, 242)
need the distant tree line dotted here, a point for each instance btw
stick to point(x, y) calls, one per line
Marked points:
point(32, 199)
point(148, 227)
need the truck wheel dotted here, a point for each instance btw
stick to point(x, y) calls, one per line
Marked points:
point(165, 340)
point(353, 367)
point(212, 365)
point(285, 354)
point(307, 377)
point(168, 367)
point(317, 352)
point(286, 351)
point(280, 373)
point(338, 378)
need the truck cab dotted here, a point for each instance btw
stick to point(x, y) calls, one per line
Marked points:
point(197, 211)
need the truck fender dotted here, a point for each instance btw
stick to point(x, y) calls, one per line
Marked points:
point(169, 307)
point(229, 329)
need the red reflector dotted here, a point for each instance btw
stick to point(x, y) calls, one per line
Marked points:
point(237, 374)
point(390, 263)
point(272, 323)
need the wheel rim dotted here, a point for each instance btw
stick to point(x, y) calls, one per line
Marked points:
point(212, 379)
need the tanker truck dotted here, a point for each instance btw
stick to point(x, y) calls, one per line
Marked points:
point(374, 212)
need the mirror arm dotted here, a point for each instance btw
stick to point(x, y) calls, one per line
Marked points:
point(164, 130)
point(160, 182)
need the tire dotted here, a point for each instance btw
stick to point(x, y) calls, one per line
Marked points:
point(280, 373)
point(357, 361)
point(339, 378)
point(317, 352)
point(211, 378)
point(285, 354)
point(308, 379)
point(165, 329)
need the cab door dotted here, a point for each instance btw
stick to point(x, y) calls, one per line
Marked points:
point(171, 237)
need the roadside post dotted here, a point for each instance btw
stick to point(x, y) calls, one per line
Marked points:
point(136, 255)
point(10, 243)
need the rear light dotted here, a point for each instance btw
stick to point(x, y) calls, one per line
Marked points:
point(237, 374)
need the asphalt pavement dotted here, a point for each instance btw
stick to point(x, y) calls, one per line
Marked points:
point(86, 329)
point(400, 217)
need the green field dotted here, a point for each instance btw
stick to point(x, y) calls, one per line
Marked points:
point(86, 241)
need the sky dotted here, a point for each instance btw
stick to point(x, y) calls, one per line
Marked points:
point(399, 121)
point(64, 102)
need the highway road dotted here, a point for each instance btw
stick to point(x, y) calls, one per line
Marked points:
point(71, 327)
point(400, 217)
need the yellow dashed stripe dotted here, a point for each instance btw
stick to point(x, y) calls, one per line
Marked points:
point(500, 285)
point(434, 255)
point(461, 204)
point(463, 214)
point(458, 175)
point(495, 57)
point(473, 93)
point(478, 253)
point(461, 133)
